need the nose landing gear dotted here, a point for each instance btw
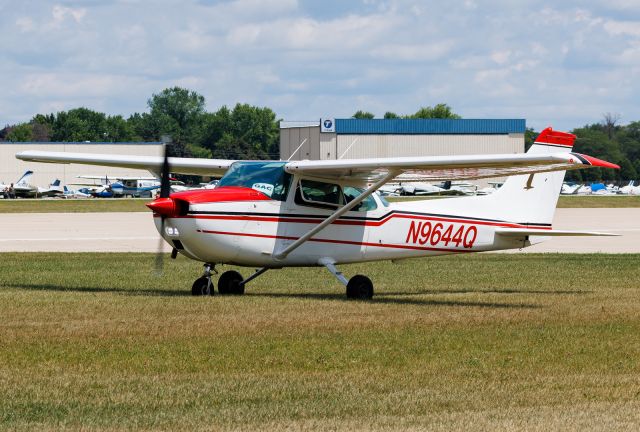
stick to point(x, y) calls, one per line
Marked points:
point(230, 282)
point(204, 285)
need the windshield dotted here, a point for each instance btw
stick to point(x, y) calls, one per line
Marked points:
point(266, 177)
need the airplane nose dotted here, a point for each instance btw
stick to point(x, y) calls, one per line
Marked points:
point(164, 207)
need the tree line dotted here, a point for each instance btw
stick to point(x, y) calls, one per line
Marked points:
point(251, 132)
point(241, 132)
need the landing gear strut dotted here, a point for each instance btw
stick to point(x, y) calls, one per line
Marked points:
point(203, 285)
point(359, 287)
point(230, 282)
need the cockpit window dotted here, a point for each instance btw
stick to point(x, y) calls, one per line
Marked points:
point(367, 204)
point(269, 178)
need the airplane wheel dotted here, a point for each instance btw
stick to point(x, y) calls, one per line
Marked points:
point(360, 288)
point(199, 287)
point(229, 283)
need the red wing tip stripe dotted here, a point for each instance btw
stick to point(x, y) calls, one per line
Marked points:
point(595, 161)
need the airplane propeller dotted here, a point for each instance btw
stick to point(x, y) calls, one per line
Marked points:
point(165, 191)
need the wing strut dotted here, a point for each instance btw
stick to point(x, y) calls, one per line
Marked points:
point(342, 210)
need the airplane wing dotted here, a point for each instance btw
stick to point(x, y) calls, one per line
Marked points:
point(203, 167)
point(432, 168)
point(441, 168)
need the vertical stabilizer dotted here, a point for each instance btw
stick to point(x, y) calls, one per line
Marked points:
point(24, 180)
point(533, 198)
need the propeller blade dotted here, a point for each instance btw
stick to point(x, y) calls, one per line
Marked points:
point(159, 266)
point(165, 180)
point(165, 191)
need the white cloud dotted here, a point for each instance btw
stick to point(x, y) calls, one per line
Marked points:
point(566, 63)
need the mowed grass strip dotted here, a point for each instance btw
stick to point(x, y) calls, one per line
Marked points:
point(88, 205)
point(477, 342)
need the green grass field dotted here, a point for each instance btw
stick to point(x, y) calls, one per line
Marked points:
point(95, 205)
point(479, 342)
point(129, 205)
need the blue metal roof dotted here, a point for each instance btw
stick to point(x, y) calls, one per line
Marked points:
point(80, 143)
point(430, 126)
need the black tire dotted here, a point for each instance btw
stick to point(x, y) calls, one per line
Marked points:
point(199, 287)
point(229, 283)
point(360, 287)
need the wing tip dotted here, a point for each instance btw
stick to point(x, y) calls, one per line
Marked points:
point(595, 162)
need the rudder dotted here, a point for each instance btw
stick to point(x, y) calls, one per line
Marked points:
point(533, 198)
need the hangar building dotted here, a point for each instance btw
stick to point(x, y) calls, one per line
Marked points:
point(11, 169)
point(369, 138)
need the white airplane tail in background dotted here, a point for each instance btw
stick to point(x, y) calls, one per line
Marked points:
point(24, 180)
point(533, 198)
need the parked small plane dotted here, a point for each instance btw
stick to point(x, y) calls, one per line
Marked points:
point(23, 189)
point(124, 186)
point(275, 214)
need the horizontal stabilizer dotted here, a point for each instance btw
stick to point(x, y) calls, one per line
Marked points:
point(519, 232)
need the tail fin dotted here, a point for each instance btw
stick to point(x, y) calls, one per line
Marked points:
point(533, 198)
point(25, 178)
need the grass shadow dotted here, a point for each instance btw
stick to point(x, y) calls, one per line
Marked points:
point(86, 289)
point(385, 299)
point(486, 291)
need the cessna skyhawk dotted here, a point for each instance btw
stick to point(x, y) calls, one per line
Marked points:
point(275, 214)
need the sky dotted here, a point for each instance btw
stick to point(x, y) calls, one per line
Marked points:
point(561, 64)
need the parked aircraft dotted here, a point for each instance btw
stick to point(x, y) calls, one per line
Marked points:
point(275, 214)
point(24, 189)
point(124, 186)
point(629, 189)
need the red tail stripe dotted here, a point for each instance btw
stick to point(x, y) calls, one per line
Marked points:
point(549, 136)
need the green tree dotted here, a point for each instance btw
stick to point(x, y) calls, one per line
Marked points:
point(363, 115)
point(440, 111)
point(391, 115)
point(529, 138)
point(176, 112)
point(246, 132)
point(20, 133)
point(83, 124)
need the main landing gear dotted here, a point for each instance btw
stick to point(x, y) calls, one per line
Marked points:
point(229, 283)
point(359, 287)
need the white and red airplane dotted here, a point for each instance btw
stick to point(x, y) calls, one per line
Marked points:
point(274, 214)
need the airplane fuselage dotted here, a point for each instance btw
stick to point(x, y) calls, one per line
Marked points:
point(249, 232)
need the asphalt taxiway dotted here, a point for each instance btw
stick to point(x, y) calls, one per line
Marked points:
point(135, 232)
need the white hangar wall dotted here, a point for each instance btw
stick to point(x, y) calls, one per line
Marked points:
point(11, 169)
point(365, 146)
point(364, 138)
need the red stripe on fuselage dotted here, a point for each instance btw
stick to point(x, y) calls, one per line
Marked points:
point(346, 242)
point(364, 222)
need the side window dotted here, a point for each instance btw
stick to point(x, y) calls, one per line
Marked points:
point(327, 195)
point(368, 204)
